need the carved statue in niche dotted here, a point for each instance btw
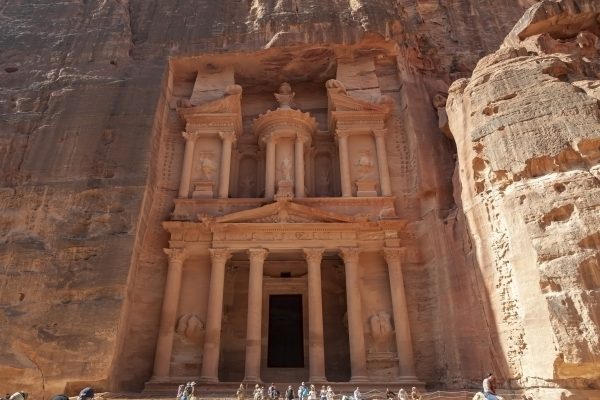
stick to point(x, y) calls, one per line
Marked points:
point(247, 186)
point(191, 327)
point(380, 324)
point(364, 164)
point(286, 169)
point(206, 166)
point(285, 97)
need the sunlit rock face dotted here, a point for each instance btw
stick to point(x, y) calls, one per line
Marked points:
point(527, 130)
point(91, 156)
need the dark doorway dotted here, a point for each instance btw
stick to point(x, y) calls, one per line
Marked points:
point(286, 347)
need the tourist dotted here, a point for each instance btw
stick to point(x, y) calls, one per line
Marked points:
point(60, 397)
point(85, 394)
point(357, 395)
point(312, 394)
point(257, 394)
point(241, 392)
point(289, 393)
point(414, 394)
point(402, 395)
point(302, 392)
point(273, 392)
point(489, 387)
point(389, 394)
point(323, 393)
point(330, 393)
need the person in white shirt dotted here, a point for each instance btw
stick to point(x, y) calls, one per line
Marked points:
point(489, 388)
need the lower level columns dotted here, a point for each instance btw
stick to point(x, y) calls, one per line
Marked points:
point(168, 317)
point(393, 257)
point(358, 361)
point(254, 321)
point(316, 343)
point(214, 314)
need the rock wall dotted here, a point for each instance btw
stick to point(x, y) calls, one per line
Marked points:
point(527, 130)
point(89, 163)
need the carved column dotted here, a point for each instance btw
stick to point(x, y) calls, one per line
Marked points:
point(344, 163)
point(382, 162)
point(228, 139)
point(358, 363)
point(270, 168)
point(393, 257)
point(186, 169)
point(168, 317)
point(316, 343)
point(214, 314)
point(299, 166)
point(254, 320)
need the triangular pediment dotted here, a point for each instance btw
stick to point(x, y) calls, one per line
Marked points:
point(284, 211)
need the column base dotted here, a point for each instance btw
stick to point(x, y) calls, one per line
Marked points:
point(208, 379)
point(252, 379)
point(359, 379)
point(410, 380)
point(317, 379)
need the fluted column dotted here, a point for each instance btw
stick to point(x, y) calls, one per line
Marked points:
point(316, 343)
point(186, 168)
point(270, 169)
point(393, 257)
point(344, 163)
point(228, 138)
point(358, 362)
point(168, 316)
point(214, 314)
point(254, 319)
point(299, 166)
point(382, 162)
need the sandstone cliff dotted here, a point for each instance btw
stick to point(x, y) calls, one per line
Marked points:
point(527, 130)
point(87, 175)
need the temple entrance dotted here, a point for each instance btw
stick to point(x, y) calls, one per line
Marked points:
point(285, 345)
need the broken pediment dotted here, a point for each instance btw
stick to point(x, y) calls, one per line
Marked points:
point(284, 211)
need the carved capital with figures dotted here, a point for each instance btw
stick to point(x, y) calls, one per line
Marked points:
point(176, 255)
point(394, 254)
point(349, 254)
point(193, 136)
point(257, 255)
point(219, 255)
point(313, 256)
point(227, 135)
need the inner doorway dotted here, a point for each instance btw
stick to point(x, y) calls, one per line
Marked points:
point(285, 344)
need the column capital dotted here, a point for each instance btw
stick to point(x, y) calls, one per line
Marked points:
point(227, 135)
point(394, 254)
point(176, 255)
point(378, 133)
point(342, 133)
point(349, 254)
point(302, 138)
point(313, 255)
point(257, 254)
point(191, 136)
point(219, 255)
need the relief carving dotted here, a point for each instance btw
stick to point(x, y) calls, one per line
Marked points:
point(382, 332)
point(190, 327)
point(285, 97)
point(206, 166)
point(364, 164)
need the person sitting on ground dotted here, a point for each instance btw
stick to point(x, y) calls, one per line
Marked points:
point(357, 395)
point(86, 394)
point(241, 392)
point(414, 394)
point(489, 387)
point(402, 395)
point(19, 396)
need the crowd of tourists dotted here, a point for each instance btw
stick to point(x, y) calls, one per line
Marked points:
point(85, 394)
point(310, 392)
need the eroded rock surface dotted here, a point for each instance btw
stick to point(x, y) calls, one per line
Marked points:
point(527, 129)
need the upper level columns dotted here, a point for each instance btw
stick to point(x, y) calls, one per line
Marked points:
point(358, 362)
point(299, 166)
point(214, 314)
point(254, 320)
point(316, 344)
point(168, 318)
point(270, 168)
point(382, 161)
point(393, 257)
point(188, 158)
point(228, 139)
point(344, 163)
